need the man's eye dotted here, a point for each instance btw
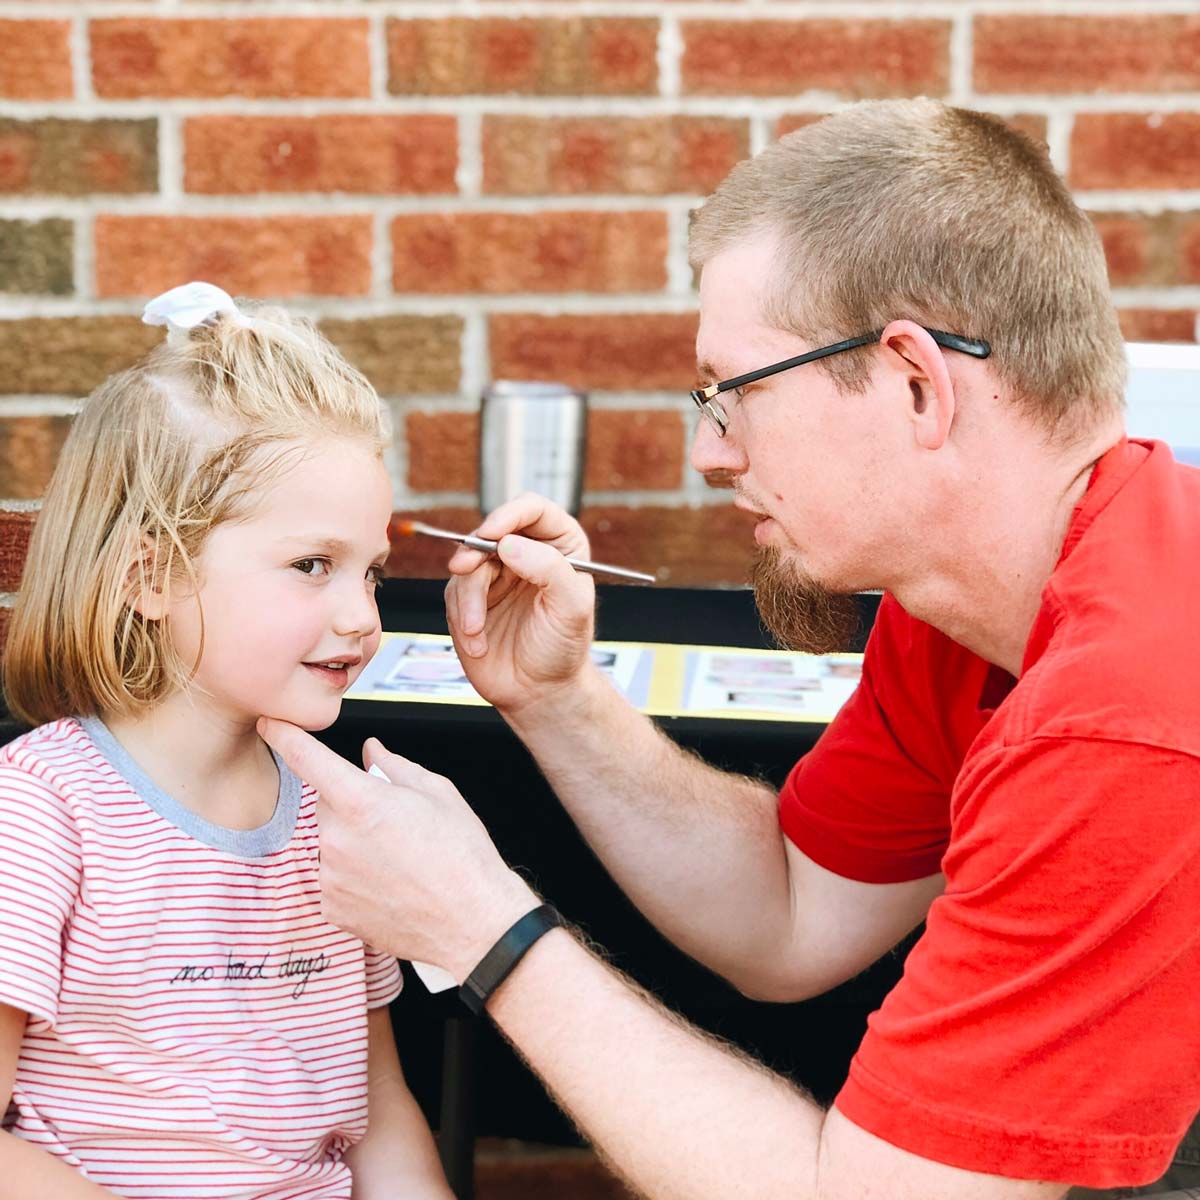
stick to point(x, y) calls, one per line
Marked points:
point(312, 566)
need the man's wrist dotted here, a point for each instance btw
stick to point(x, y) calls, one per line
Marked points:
point(504, 956)
point(569, 703)
point(495, 913)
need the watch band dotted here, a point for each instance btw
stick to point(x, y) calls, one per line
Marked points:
point(498, 962)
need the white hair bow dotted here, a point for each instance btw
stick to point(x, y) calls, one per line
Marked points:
point(191, 304)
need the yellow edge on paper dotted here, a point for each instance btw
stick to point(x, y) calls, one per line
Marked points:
point(667, 688)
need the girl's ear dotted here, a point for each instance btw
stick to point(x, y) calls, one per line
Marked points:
point(144, 582)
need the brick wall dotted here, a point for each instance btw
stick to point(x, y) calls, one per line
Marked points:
point(469, 191)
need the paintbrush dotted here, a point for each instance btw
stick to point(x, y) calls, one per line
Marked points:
point(412, 528)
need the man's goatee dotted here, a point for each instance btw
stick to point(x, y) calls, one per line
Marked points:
point(798, 612)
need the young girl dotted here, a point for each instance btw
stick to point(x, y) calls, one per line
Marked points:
point(176, 1018)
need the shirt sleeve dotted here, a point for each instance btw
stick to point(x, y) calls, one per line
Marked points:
point(871, 800)
point(40, 871)
point(384, 980)
point(1046, 1024)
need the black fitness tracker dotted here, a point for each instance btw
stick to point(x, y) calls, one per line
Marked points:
point(496, 965)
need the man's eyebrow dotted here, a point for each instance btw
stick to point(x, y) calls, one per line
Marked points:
point(706, 372)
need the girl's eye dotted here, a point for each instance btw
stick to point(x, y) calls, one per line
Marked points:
point(376, 577)
point(313, 567)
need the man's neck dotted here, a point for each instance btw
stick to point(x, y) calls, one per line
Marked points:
point(987, 588)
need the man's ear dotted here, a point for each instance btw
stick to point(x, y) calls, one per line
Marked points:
point(912, 353)
point(145, 581)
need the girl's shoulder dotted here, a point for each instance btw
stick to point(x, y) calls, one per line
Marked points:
point(48, 751)
point(53, 738)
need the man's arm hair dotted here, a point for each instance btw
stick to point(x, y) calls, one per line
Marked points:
point(700, 852)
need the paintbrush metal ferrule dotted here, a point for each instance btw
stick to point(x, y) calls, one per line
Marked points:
point(490, 547)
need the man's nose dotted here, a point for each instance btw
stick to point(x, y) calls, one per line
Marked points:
point(714, 454)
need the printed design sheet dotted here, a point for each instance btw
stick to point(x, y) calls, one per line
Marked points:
point(424, 667)
point(661, 679)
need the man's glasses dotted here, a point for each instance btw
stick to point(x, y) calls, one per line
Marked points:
point(706, 397)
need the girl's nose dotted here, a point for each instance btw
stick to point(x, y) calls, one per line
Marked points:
point(357, 613)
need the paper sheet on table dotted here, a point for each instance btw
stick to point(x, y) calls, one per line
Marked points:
point(661, 679)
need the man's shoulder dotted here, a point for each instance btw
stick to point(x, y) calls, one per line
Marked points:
point(1123, 655)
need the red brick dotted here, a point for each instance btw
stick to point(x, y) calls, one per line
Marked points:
point(1190, 252)
point(401, 354)
point(686, 547)
point(443, 451)
point(1136, 150)
point(1032, 125)
point(35, 60)
point(543, 56)
point(285, 56)
point(1148, 250)
point(1126, 239)
point(790, 122)
point(529, 252)
point(634, 450)
point(69, 356)
point(853, 58)
point(339, 153)
point(1125, 53)
point(78, 158)
point(641, 155)
point(426, 558)
point(606, 351)
point(5, 618)
point(253, 256)
point(37, 257)
point(29, 449)
point(1158, 324)
point(15, 528)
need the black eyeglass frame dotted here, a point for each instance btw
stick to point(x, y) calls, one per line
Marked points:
point(705, 397)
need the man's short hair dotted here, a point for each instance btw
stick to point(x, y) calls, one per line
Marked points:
point(915, 209)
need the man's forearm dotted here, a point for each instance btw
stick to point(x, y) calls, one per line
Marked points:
point(698, 850)
point(677, 1114)
point(683, 1117)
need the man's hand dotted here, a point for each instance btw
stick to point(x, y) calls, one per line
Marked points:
point(405, 864)
point(522, 622)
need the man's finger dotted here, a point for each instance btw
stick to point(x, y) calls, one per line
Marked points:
point(540, 564)
point(317, 765)
point(538, 518)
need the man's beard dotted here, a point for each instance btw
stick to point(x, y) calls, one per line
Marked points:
point(798, 612)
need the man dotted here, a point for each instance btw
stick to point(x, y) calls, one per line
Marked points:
point(1020, 766)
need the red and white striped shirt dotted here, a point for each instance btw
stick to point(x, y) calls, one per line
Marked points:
point(196, 1029)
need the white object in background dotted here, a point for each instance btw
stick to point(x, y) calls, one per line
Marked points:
point(1163, 396)
point(532, 438)
point(436, 979)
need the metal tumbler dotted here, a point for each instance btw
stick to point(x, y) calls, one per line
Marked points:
point(532, 438)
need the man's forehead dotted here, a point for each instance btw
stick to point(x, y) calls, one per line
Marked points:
point(734, 333)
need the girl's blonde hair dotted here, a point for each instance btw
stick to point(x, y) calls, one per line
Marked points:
point(159, 456)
